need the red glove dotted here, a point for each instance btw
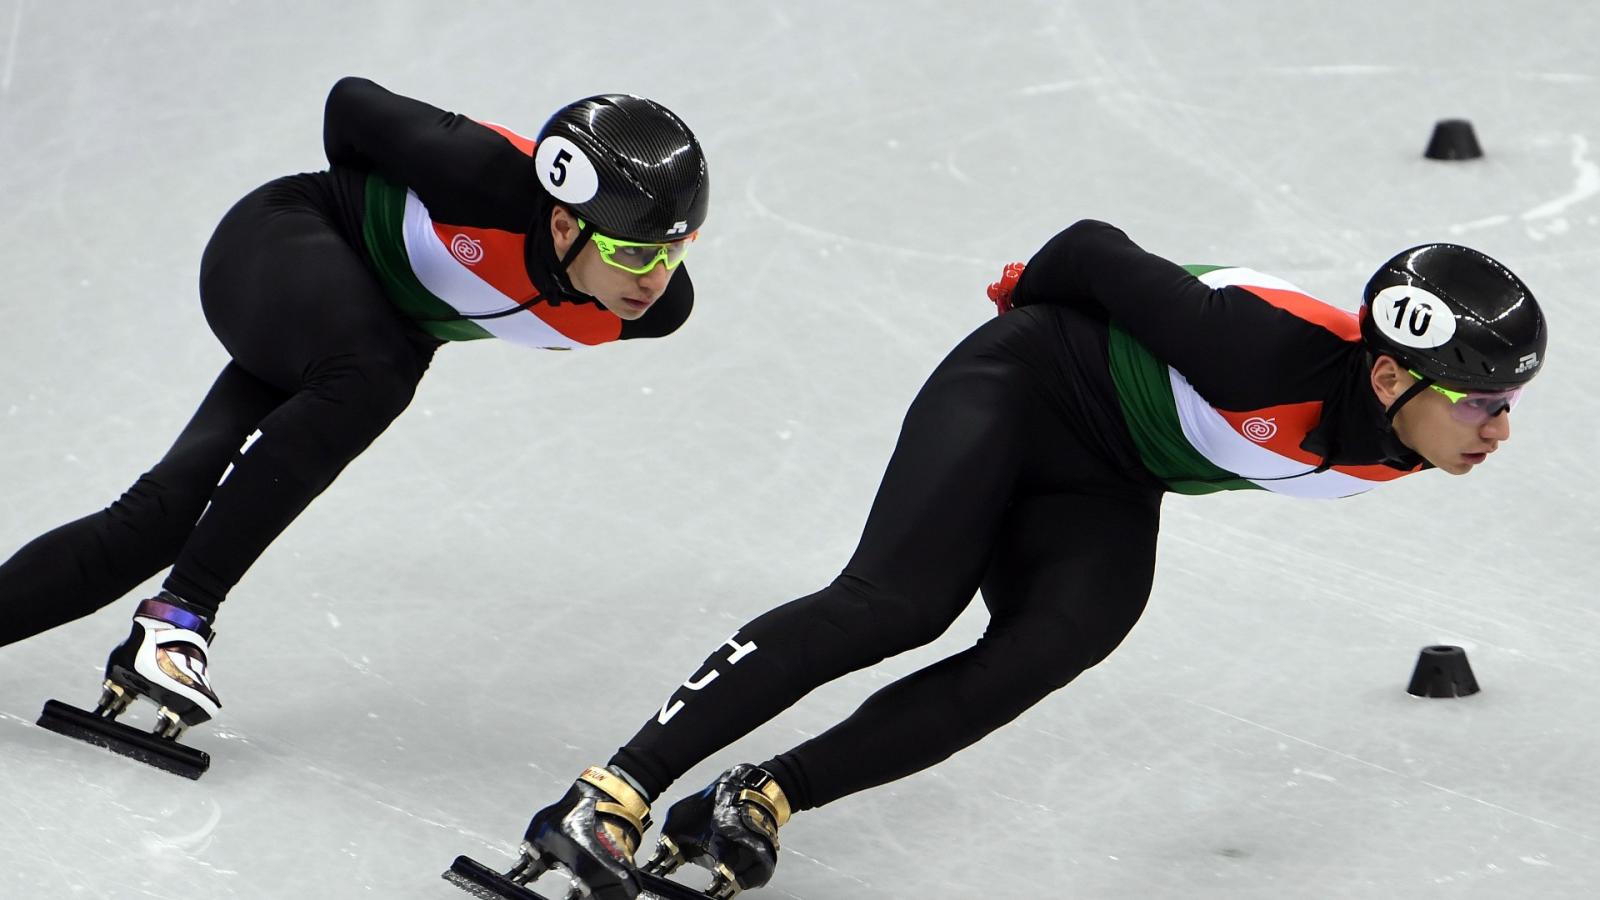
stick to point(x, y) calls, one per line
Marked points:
point(1000, 291)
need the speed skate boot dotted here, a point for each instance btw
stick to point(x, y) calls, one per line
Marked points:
point(731, 828)
point(164, 661)
point(591, 834)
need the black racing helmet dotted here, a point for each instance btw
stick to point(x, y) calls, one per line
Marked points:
point(1456, 316)
point(625, 165)
point(628, 167)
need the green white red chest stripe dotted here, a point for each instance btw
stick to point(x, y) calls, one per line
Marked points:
point(461, 282)
point(1198, 447)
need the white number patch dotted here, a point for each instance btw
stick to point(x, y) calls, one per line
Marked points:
point(1412, 317)
point(565, 171)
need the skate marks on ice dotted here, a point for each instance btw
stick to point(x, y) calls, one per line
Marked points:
point(1389, 771)
point(165, 840)
point(1546, 219)
point(8, 68)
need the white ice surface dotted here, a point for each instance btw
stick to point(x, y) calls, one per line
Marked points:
point(434, 650)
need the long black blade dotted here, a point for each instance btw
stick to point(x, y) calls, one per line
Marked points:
point(668, 889)
point(162, 753)
point(481, 881)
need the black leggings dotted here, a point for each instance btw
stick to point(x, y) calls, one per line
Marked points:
point(321, 365)
point(990, 485)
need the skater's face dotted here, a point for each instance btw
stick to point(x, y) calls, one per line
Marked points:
point(624, 293)
point(1429, 424)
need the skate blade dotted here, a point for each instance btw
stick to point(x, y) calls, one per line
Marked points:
point(163, 753)
point(667, 889)
point(479, 880)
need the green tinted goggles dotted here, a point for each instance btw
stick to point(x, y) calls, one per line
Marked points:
point(1474, 407)
point(638, 257)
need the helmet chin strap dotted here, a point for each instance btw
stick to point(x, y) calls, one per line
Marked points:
point(1421, 385)
point(584, 233)
point(549, 272)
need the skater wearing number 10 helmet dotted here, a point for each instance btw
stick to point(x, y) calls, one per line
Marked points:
point(331, 292)
point(1031, 466)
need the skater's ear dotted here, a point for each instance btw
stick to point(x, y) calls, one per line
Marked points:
point(564, 229)
point(1389, 379)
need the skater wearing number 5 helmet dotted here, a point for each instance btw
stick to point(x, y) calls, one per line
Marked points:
point(331, 292)
point(1031, 465)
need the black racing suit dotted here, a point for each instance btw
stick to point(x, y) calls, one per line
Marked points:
point(323, 358)
point(1017, 473)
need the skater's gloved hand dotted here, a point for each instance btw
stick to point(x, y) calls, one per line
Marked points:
point(1000, 291)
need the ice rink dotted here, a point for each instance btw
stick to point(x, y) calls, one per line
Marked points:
point(427, 656)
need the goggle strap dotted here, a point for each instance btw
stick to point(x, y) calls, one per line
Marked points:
point(1422, 384)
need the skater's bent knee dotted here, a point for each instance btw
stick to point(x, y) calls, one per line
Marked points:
point(370, 390)
point(1046, 653)
point(898, 620)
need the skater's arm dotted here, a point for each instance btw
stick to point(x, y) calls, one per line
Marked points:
point(1228, 341)
point(1096, 268)
point(463, 171)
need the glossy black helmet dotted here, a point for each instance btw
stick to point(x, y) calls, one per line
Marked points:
point(1455, 315)
point(627, 166)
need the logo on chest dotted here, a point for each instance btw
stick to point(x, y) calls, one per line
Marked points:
point(468, 250)
point(1259, 429)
